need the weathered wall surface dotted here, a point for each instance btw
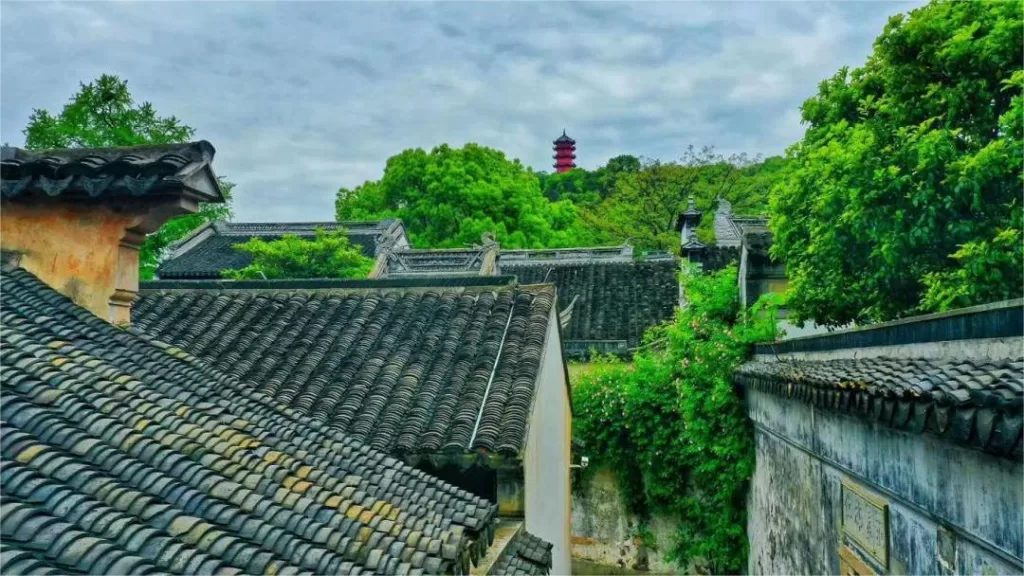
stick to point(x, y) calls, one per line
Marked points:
point(546, 463)
point(74, 249)
point(603, 528)
point(950, 509)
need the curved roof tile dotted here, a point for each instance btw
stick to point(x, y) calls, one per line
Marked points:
point(123, 454)
point(403, 369)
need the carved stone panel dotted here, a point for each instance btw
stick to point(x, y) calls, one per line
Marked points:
point(865, 525)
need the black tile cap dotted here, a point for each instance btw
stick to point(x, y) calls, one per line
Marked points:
point(963, 400)
point(96, 172)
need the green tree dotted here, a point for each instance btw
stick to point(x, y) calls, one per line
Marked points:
point(672, 428)
point(646, 202)
point(103, 114)
point(905, 193)
point(449, 197)
point(622, 164)
point(588, 188)
point(328, 255)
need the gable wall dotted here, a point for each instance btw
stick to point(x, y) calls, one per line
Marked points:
point(547, 459)
point(73, 248)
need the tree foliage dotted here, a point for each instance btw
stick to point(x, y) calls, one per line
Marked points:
point(671, 426)
point(646, 202)
point(104, 114)
point(449, 197)
point(905, 193)
point(588, 188)
point(328, 255)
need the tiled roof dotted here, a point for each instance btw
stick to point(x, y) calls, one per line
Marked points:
point(111, 172)
point(974, 402)
point(615, 298)
point(729, 227)
point(564, 139)
point(525, 555)
point(757, 238)
point(125, 455)
point(207, 252)
point(717, 257)
point(403, 369)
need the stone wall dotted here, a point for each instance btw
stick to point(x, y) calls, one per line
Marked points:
point(603, 529)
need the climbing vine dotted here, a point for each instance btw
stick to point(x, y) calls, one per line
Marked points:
point(672, 427)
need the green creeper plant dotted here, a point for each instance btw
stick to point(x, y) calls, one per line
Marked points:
point(328, 255)
point(672, 427)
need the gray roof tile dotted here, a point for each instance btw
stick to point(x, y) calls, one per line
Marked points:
point(97, 421)
point(525, 554)
point(105, 172)
point(978, 403)
point(615, 298)
point(405, 370)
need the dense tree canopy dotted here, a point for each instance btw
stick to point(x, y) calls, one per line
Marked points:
point(588, 188)
point(905, 193)
point(102, 114)
point(328, 255)
point(646, 202)
point(449, 197)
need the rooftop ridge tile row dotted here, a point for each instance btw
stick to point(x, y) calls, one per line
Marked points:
point(98, 172)
point(974, 402)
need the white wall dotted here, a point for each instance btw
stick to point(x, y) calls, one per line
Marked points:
point(546, 462)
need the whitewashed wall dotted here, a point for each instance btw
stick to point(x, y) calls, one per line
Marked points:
point(546, 463)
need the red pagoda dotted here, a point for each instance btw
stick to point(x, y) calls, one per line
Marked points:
point(565, 153)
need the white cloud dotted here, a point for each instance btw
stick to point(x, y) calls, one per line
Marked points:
point(300, 99)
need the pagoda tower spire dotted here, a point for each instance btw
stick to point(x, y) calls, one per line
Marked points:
point(565, 153)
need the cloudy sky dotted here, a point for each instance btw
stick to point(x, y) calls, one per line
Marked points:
point(301, 98)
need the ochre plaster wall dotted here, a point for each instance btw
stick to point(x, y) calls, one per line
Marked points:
point(73, 248)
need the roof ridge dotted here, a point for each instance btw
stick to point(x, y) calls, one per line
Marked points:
point(25, 154)
point(424, 282)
